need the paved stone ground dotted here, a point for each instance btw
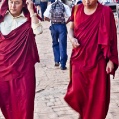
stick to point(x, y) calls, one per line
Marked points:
point(52, 84)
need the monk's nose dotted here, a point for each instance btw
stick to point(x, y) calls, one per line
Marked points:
point(13, 5)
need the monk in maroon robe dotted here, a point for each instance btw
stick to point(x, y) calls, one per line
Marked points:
point(18, 55)
point(94, 57)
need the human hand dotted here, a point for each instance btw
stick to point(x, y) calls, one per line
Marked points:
point(30, 6)
point(109, 67)
point(74, 42)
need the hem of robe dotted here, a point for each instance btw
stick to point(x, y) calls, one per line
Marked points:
point(73, 102)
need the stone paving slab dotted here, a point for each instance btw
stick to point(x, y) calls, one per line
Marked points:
point(51, 84)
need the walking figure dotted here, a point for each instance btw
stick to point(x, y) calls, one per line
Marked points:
point(55, 13)
point(94, 57)
point(18, 54)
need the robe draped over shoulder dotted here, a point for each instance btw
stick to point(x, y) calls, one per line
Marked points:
point(95, 37)
point(16, 50)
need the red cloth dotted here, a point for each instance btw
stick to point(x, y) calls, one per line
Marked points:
point(17, 95)
point(88, 91)
point(16, 50)
point(18, 54)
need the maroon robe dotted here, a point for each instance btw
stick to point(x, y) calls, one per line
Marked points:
point(88, 91)
point(18, 54)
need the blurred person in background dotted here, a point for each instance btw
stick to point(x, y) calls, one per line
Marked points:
point(78, 1)
point(43, 7)
point(56, 13)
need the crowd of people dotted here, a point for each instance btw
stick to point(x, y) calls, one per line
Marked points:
point(93, 59)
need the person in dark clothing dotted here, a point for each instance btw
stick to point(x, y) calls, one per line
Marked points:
point(43, 6)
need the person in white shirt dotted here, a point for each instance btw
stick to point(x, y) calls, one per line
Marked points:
point(12, 21)
point(19, 24)
point(78, 2)
point(47, 13)
point(107, 1)
point(58, 31)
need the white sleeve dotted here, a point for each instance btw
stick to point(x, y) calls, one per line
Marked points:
point(47, 11)
point(67, 11)
point(37, 28)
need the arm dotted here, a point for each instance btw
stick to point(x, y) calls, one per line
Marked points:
point(113, 56)
point(34, 18)
point(73, 40)
point(68, 13)
point(68, 20)
point(107, 39)
point(37, 27)
point(47, 13)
